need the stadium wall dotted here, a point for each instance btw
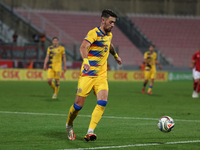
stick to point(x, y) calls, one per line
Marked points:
point(169, 7)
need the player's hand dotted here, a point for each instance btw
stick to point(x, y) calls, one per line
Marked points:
point(151, 64)
point(86, 67)
point(119, 60)
point(45, 67)
point(64, 69)
point(160, 67)
point(192, 66)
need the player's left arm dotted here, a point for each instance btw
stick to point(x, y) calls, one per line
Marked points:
point(115, 55)
point(192, 64)
point(64, 62)
point(157, 63)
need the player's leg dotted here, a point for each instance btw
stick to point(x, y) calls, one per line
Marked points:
point(57, 87)
point(50, 82)
point(150, 86)
point(196, 93)
point(73, 112)
point(85, 85)
point(144, 85)
point(146, 80)
point(50, 76)
point(101, 88)
point(195, 84)
point(152, 76)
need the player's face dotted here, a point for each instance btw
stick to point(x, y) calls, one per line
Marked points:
point(55, 42)
point(151, 48)
point(109, 23)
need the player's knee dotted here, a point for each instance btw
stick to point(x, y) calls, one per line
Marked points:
point(76, 107)
point(57, 81)
point(49, 81)
point(102, 103)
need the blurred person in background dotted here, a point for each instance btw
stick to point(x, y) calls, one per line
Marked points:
point(195, 66)
point(55, 54)
point(150, 59)
point(42, 39)
point(30, 64)
point(15, 37)
point(36, 38)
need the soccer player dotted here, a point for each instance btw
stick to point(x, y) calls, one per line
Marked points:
point(55, 54)
point(150, 59)
point(94, 50)
point(195, 65)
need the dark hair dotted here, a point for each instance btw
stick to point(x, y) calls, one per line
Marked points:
point(152, 45)
point(55, 38)
point(107, 13)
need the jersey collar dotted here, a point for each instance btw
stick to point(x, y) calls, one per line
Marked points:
point(102, 31)
point(55, 47)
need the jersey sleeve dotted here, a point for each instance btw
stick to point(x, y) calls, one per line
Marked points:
point(145, 55)
point(194, 57)
point(48, 50)
point(91, 36)
point(63, 50)
point(156, 56)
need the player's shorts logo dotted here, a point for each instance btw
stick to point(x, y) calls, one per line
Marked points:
point(79, 90)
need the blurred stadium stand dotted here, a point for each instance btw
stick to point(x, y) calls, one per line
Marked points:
point(177, 37)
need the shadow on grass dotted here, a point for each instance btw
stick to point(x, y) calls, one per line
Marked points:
point(153, 95)
point(51, 100)
point(39, 96)
point(60, 135)
point(183, 95)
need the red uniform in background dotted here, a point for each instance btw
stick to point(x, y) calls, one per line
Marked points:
point(196, 74)
point(196, 58)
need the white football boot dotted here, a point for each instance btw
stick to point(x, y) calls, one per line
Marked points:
point(54, 96)
point(70, 133)
point(195, 94)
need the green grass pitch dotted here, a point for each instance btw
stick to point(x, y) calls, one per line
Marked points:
point(130, 117)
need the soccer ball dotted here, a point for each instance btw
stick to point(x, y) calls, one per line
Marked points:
point(166, 124)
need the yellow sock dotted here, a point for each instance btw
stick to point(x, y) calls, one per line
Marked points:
point(150, 88)
point(97, 114)
point(57, 87)
point(53, 86)
point(73, 112)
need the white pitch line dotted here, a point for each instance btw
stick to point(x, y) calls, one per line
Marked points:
point(136, 145)
point(88, 116)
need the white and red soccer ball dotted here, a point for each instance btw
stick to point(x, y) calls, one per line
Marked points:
point(166, 124)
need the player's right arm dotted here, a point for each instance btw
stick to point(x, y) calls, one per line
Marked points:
point(115, 55)
point(88, 40)
point(192, 64)
point(193, 61)
point(84, 54)
point(46, 60)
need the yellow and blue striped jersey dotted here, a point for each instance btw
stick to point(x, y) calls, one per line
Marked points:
point(55, 56)
point(151, 57)
point(98, 52)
